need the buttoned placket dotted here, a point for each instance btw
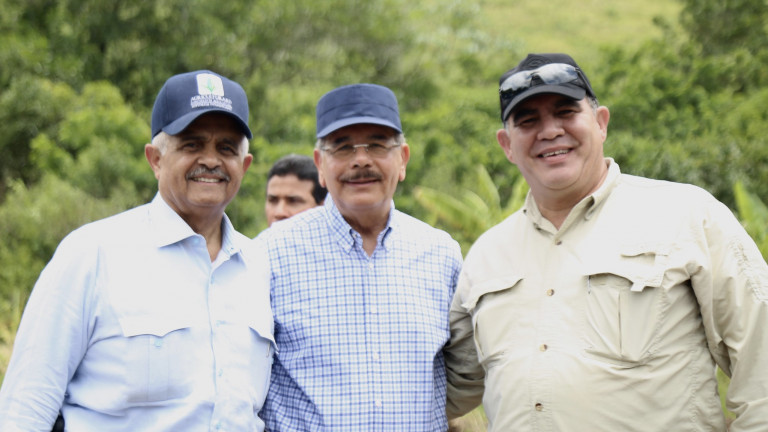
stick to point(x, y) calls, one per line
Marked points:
point(374, 330)
point(217, 317)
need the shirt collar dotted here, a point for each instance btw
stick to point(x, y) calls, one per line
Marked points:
point(601, 194)
point(170, 228)
point(586, 206)
point(346, 236)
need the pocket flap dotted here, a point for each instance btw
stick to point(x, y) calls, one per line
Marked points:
point(264, 327)
point(153, 325)
point(641, 264)
point(489, 286)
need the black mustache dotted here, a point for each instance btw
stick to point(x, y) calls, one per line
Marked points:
point(203, 170)
point(362, 175)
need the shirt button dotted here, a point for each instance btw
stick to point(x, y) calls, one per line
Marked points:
point(374, 310)
point(539, 407)
point(220, 372)
point(543, 347)
point(376, 356)
point(378, 403)
point(550, 292)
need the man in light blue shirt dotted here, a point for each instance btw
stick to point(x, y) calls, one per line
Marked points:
point(158, 318)
point(360, 291)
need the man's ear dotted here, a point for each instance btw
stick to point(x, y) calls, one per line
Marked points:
point(603, 116)
point(405, 154)
point(247, 161)
point(505, 142)
point(153, 155)
point(319, 165)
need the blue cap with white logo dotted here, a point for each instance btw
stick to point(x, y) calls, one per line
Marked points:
point(185, 97)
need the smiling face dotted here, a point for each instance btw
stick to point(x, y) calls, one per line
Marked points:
point(362, 185)
point(557, 143)
point(199, 170)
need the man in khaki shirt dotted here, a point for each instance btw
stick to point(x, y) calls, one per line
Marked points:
point(605, 303)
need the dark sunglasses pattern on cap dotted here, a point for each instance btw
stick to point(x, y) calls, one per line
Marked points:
point(550, 74)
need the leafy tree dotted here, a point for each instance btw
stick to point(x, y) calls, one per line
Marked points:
point(720, 26)
point(98, 147)
point(29, 106)
point(682, 115)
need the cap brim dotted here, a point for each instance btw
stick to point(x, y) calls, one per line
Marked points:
point(355, 120)
point(181, 123)
point(569, 90)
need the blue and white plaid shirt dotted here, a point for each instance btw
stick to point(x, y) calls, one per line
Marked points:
point(359, 338)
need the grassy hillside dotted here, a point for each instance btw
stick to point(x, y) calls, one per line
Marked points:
point(578, 28)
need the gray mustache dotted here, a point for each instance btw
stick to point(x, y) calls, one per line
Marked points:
point(217, 172)
point(362, 175)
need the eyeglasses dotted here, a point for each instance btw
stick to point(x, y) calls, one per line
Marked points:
point(346, 151)
point(553, 73)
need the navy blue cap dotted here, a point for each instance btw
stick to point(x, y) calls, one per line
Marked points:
point(575, 89)
point(356, 104)
point(187, 96)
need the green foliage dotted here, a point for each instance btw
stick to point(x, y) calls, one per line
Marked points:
point(739, 24)
point(680, 115)
point(753, 214)
point(28, 107)
point(101, 138)
point(474, 211)
point(33, 220)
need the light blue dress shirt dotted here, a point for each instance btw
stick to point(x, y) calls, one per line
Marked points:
point(131, 327)
point(359, 337)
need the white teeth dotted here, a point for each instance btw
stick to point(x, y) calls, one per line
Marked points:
point(207, 180)
point(555, 153)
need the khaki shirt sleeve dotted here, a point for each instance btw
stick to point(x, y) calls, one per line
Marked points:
point(733, 296)
point(465, 374)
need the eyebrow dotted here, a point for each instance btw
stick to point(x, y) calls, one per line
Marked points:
point(562, 102)
point(517, 115)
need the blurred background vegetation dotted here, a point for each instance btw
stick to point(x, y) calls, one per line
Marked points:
point(686, 82)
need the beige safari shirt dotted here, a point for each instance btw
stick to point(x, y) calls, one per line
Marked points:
point(615, 321)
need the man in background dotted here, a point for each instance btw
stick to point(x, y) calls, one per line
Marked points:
point(158, 318)
point(292, 187)
point(606, 302)
point(360, 290)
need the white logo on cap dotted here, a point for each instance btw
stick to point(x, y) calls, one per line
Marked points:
point(209, 84)
point(211, 93)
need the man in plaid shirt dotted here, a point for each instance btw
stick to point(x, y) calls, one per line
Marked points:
point(360, 291)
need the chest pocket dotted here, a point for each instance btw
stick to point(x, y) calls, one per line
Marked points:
point(495, 319)
point(156, 358)
point(624, 306)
